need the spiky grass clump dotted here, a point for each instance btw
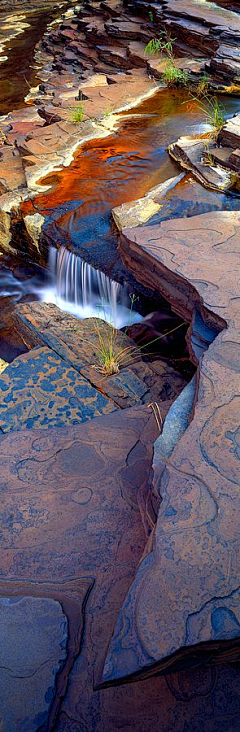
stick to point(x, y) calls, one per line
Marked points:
point(112, 351)
point(174, 76)
point(108, 111)
point(77, 114)
point(158, 45)
point(213, 111)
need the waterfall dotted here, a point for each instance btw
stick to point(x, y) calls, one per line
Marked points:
point(85, 292)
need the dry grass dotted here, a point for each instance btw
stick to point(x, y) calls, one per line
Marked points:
point(112, 351)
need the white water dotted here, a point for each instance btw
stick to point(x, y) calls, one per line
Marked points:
point(85, 292)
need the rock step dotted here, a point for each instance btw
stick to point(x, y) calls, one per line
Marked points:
point(229, 136)
point(116, 57)
point(220, 156)
point(127, 30)
point(76, 342)
point(234, 161)
point(112, 7)
point(40, 390)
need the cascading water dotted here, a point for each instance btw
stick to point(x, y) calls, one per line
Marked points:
point(86, 292)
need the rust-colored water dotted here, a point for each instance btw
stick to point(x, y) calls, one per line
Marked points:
point(120, 168)
point(106, 173)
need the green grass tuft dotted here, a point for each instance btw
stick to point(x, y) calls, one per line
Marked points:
point(202, 87)
point(213, 111)
point(77, 114)
point(174, 76)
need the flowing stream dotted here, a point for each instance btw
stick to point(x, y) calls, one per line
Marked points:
point(87, 292)
point(105, 174)
point(91, 277)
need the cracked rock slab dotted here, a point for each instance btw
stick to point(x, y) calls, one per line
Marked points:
point(185, 597)
point(33, 639)
point(72, 507)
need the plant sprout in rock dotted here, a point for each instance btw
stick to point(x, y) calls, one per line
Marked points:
point(113, 355)
point(153, 47)
point(202, 86)
point(108, 111)
point(77, 114)
point(150, 16)
point(158, 45)
point(207, 157)
point(112, 349)
point(174, 76)
point(213, 111)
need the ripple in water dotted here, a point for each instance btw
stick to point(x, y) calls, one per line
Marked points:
point(85, 292)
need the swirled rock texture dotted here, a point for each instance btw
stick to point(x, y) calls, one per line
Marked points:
point(72, 502)
point(185, 599)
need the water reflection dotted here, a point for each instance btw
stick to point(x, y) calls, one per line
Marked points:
point(18, 69)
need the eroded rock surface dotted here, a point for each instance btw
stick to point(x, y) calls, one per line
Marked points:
point(185, 597)
point(39, 389)
point(34, 634)
point(77, 344)
point(67, 525)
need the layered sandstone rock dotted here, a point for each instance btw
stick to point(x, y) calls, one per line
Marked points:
point(185, 597)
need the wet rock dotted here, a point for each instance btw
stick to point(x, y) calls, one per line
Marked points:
point(234, 161)
point(138, 212)
point(229, 136)
point(161, 333)
point(77, 342)
point(226, 63)
point(189, 152)
point(80, 495)
point(115, 56)
point(49, 114)
point(34, 223)
point(157, 67)
point(5, 230)
point(113, 8)
point(127, 31)
point(3, 365)
point(137, 54)
point(12, 174)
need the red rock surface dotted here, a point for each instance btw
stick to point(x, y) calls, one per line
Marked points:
point(185, 597)
point(69, 520)
point(75, 535)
